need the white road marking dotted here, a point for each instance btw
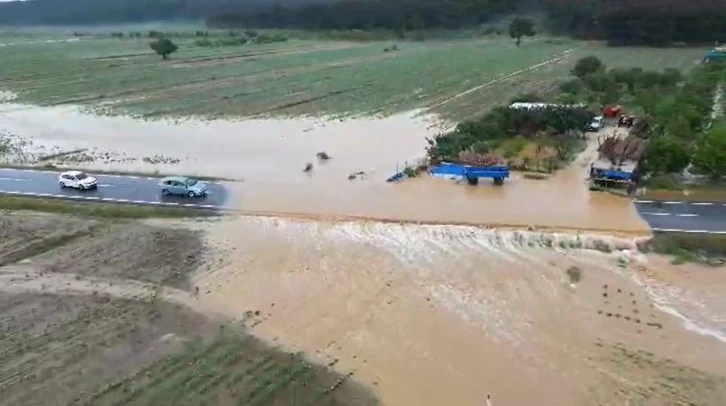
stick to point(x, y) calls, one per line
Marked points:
point(687, 215)
point(683, 230)
point(672, 202)
point(644, 201)
point(111, 200)
point(110, 175)
point(647, 213)
point(703, 204)
point(14, 179)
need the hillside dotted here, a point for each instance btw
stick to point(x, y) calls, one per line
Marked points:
point(621, 22)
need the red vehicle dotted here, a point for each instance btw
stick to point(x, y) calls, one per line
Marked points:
point(611, 111)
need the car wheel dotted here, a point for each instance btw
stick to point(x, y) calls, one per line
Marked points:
point(165, 192)
point(191, 194)
point(62, 185)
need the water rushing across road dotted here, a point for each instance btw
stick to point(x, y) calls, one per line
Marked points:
point(427, 314)
point(268, 155)
point(432, 315)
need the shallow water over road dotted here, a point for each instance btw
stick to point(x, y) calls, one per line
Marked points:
point(269, 155)
point(431, 315)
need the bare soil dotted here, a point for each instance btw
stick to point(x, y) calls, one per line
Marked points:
point(100, 313)
point(129, 250)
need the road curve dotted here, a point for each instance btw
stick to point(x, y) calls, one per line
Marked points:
point(683, 217)
point(111, 188)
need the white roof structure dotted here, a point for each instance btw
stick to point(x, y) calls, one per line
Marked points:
point(531, 106)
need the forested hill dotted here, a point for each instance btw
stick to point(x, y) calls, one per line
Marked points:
point(67, 12)
point(636, 22)
point(621, 22)
point(278, 13)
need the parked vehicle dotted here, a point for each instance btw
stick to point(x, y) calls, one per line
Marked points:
point(611, 111)
point(626, 121)
point(182, 186)
point(596, 124)
point(77, 180)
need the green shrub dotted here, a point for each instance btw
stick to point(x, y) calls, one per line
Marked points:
point(574, 273)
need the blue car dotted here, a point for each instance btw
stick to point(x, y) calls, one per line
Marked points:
point(181, 186)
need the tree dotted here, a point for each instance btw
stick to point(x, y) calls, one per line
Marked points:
point(573, 86)
point(163, 47)
point(666, 154)
point(521, 27)
point(710, 154)
point(646, 100)
point(587, 66)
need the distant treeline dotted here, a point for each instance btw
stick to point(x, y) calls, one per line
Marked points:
point(640, 22)
point(374, 14)
point(621, 22)
point(83, 12)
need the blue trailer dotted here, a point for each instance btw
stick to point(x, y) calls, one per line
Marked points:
point(472, 174)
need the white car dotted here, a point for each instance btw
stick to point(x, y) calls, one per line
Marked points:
point(597, 124)
point(77, 180)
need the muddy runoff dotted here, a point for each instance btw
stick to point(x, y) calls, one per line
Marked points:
point(444, 315)
point(551, 303)
point(267, 156)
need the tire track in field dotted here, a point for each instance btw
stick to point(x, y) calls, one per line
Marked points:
point(23, 279)
point(564, 55)
point(224, 59)
point(206, 84)
point(236, 80)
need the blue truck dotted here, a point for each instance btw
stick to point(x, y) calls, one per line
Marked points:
point(715, 55)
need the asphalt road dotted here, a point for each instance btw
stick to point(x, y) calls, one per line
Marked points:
point(111, 188)
point(687, 217)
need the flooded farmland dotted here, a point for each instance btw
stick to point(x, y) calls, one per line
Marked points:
point(538, 293)
point(435, 315)
point(268, 157)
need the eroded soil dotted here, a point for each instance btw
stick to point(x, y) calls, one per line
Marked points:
point(97, 313)
point(432, 315)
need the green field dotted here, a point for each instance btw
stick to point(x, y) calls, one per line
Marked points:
point(123, 76)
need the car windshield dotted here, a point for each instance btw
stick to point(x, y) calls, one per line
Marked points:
point(191, 182)
point(81, 176)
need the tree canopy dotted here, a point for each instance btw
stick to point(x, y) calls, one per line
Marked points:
point(163, 47)
point(621, 22)
point(709, 156)
point(521, 27)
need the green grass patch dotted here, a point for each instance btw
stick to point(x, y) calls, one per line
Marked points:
point(707, 249)
point(97, 209)
point(304, 76)
point(233, 369)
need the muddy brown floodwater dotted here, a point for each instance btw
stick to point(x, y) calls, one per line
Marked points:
point(269, 155)
point(443, 315)
point(425, 314)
